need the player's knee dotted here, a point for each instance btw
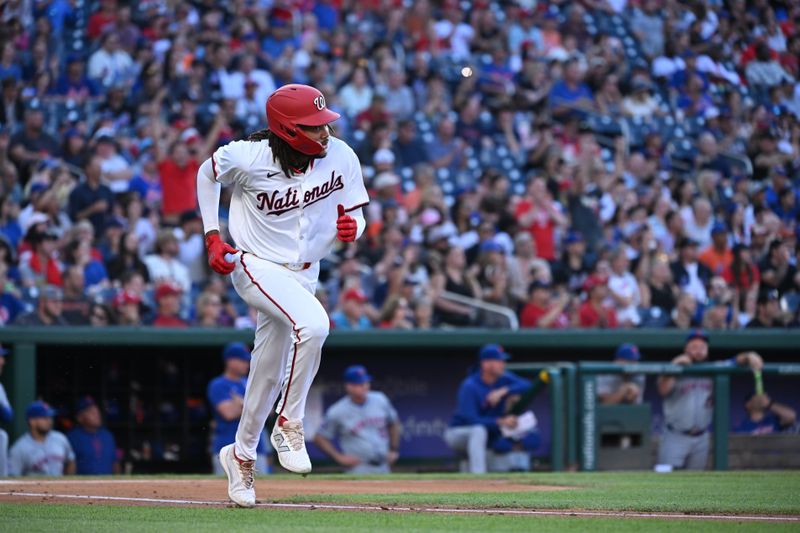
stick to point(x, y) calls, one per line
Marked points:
point(479, 433)
point(317, 330)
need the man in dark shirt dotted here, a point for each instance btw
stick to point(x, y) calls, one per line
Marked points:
point(48, 310)
point(31, 145)
point(768, 311)
point(91, 200)
point(408, 147)
point(75, 306)
point(94, 446)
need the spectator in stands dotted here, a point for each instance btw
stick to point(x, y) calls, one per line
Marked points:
point(454, 278)
point(688, 406)
point(127, 259)
point(768, 311)
point(718, 255)
point(6, 416)
point(690, 276)
point(595, 312)
point(446, 149)
point(208, 311)
point(485, 399)
point(94, 446)
point(191, 245)
point(168, 306)
point(165, 265)
point(765, 416)
point(540, 215)
point(42, 451)
point(74, 84)
point(544, 308)
point(570, 93)
point(364, 423)
point(110, 65)
point(100, 316)
point(624, 388)
point(48, 309)
point(91, 200)
point(225, 393)
point(777, 272)
point(32, 144)
point(75, 305)
point(10, 304)
point(624, 289)
point(127, 306)
point(351, 315)
point(79, 253)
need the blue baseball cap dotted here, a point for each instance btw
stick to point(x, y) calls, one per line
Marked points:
point(628, 352)
point(236, 350)
point(491, 246)
point(573, 236)
point(84, 403)
point(719, 227)
point(697, 334)
point(356, 374)
point(39, 410)
point(493, 352)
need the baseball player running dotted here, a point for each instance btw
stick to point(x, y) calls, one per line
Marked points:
point(296, 190)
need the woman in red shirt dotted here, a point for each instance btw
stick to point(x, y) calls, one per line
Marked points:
point(538, 214)
point(542, 311)
point(594, 312)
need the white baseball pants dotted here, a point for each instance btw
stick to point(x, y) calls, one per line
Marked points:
point(292, 326)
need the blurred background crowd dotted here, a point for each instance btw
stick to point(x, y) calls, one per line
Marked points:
point(594, 163)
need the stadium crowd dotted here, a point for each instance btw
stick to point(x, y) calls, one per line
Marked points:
point(595, 163)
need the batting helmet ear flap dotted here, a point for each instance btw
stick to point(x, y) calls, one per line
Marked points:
point(294, 105)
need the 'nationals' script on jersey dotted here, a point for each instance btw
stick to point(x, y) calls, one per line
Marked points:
point(282, 218)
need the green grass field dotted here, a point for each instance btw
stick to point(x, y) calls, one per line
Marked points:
point(693, 492)
point(772, 493)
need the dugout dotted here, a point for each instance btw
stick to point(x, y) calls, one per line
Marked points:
point(152, 382)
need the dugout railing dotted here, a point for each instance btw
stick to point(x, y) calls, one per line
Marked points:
point(719, 372)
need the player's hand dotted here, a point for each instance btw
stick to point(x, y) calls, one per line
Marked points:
point(348, 460)
point(346, 226)
point(217, 248)
point(508, 421)
point(494, 397)
point(754, 361)
point(682, 359)
point(391, 457)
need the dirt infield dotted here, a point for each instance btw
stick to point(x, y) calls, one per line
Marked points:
point(268, 489)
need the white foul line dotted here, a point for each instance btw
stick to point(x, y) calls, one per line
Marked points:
point(344, 507)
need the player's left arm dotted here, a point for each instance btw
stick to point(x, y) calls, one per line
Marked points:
point(69, 458)
point(355, 194)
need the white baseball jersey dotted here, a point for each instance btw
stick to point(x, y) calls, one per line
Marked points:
point(287, 219)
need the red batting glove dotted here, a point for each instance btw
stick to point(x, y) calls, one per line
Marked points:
point(217, 248)
point(346, 226)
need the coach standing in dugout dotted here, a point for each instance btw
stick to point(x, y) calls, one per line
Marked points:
point(94, 446)
point(689, 406)
point(226, 395)
point(366, 425)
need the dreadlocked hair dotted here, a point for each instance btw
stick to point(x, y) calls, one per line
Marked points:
point(286, 156)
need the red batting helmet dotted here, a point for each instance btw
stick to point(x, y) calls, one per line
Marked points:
point(298, 105)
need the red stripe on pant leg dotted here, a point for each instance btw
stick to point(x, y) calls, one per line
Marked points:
point(214, 166)
point(294, 328)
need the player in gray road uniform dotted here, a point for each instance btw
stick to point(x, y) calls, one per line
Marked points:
point(6, 414)
point(622, 388)
point(41, 451)
point(365, 424)
point(689, 406)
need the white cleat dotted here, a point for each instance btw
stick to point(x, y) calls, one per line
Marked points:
point(289, 441)
point(240, 477)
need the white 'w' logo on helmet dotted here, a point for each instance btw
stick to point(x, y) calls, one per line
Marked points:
point(319, 102)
